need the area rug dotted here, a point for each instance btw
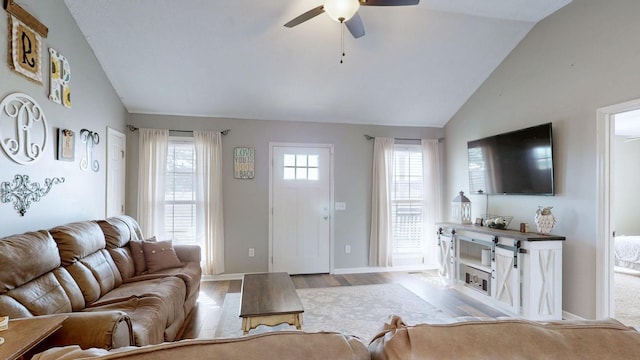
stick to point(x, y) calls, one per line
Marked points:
point(627, 289)
point(353, 310)
point(431, 277)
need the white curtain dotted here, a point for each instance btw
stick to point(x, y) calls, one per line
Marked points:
point(432, 195)
point(380, 241)
point(153, 148)
point(209, 218)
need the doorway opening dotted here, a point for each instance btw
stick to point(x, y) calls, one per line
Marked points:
point(617, 127)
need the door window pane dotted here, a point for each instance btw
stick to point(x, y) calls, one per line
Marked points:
point(301, 167)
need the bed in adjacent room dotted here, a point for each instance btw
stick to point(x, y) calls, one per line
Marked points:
point(627, 252)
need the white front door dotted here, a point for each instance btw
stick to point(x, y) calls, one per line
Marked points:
point(116, 145)
point(301, 178)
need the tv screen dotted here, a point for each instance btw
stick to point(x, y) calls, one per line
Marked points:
point(517, 162)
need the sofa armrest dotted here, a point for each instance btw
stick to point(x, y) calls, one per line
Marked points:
point(188, 253)
point(96, 329)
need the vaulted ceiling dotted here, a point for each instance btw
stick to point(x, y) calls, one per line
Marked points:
point(416, 65)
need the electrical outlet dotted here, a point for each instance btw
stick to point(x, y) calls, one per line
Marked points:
point(252, 252)
point(347, 249)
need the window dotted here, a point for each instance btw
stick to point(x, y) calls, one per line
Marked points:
point(180, 196)
point(407, 200)
point(300, 167)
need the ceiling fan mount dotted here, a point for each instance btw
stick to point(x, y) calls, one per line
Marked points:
point(346, 12)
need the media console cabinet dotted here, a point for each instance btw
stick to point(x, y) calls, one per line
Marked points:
point(519, 273)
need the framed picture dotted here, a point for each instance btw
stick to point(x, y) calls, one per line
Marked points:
point(243, 163)
point(66, 145)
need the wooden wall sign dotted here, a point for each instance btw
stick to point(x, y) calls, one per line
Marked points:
point(25, 45)
point(243, 163)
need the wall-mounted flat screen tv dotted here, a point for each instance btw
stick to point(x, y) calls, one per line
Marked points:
point(517, 163)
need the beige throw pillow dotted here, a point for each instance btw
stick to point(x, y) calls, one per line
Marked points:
point(160, 255)
point(139, 261)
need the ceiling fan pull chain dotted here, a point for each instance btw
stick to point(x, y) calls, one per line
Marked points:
point(342, 40)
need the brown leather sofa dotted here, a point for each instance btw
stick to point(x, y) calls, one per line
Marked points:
point(507, 339)
point(466, 339)
point(282, 345)
point(86, 270)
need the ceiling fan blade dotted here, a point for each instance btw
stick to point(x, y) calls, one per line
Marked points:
point(388, 2)
point(355, 26)
point(306, 16)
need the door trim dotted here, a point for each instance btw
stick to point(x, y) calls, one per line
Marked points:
point(605, 132)
point(331, 200)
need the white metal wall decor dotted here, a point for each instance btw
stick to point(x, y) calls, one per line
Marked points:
point(23, 128)
point(90, 139)
point(24, 193)
point(60, 75)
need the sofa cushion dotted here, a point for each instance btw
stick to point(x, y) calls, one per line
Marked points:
point(43, 296)
point(171, 290)
point(160, 255)
point(78, 240)
point(119, 230)
point(124, 262)
point(96, 275)
point(12, 308)
point(28, 256)
point(148, 318)
point(71, 288)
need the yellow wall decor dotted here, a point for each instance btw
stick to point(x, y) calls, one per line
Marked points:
point(60, 75)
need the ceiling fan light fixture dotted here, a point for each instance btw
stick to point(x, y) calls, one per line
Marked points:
point(341, 10)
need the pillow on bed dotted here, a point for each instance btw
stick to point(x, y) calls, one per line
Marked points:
point(160, 255)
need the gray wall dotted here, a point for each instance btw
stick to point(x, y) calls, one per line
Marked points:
point(577, 60)
point(95, 106)
point(627, 178)
point(246, 202)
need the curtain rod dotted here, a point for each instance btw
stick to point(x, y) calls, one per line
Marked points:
point(133, 128)
point(369, 137)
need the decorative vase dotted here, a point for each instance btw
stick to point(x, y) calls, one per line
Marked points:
point(545, 220)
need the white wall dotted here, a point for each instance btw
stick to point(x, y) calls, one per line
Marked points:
point(95, 106)
point(246, 202)
point(581, 58)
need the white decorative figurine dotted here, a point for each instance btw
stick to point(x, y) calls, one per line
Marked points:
point(545, 220)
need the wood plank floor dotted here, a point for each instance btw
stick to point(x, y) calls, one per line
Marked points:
point(203, 320)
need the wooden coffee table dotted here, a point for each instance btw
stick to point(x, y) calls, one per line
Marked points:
point(269, 299)
point(24, 334)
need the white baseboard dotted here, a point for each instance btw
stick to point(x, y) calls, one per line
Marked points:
point(343, 271)
point(569, 316)
point(372, 269)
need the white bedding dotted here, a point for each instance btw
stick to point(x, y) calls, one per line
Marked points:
point(627, 251)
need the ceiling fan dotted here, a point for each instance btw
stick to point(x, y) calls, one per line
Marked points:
point(345, 11)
